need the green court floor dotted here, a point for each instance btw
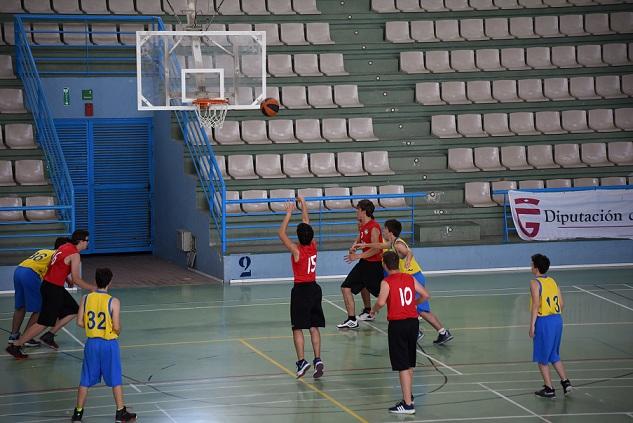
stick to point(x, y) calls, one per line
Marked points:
point(225, 354)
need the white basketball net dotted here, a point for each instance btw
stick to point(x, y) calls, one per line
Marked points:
point(211, 112)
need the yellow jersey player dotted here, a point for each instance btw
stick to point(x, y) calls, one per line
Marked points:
point(99, 315)
point(546, 326)
point(27, 279)
point(409, 265)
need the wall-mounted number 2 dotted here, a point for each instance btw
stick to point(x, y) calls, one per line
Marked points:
point(245, 264)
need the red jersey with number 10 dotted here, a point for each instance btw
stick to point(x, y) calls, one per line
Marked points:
point(365, 237)
point(401, 301)
point(304, 269)
point(58, 271)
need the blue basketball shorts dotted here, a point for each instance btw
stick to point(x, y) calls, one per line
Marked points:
point(424, 307)
point(102, 358)
point(26, 284)
point(548, 332)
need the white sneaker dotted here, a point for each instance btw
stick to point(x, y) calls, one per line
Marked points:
point(364, 316)
point(348, 324)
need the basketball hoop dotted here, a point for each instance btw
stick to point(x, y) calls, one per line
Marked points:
point(211, 111)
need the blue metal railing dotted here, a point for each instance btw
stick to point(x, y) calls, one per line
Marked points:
point(508, 223)
point(79, 35)
point(319, 223)
point(47, 139)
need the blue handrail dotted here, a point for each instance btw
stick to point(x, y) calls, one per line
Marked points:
point(507, 216)
point(45, 132)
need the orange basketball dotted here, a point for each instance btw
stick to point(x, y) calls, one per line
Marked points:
point(269, 107)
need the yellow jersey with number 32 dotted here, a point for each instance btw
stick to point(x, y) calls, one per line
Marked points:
point(98, 316)
point(413, 268)
point(39, 261)
point(549, 296)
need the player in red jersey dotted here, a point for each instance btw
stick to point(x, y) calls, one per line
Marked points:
point(398, 291)
point(58, 306)
point(306, 311)
point(366, 275)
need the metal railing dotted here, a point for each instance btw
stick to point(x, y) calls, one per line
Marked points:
point(47, 139)
point(85, 56)
point(508, 222)
point(320, 222)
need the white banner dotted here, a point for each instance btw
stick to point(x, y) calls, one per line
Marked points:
point(544, 216)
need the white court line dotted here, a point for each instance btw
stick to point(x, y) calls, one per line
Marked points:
point(604, 298)
point(165, 413)
point(457, 372)
point(74, 337)
point(204, 398)
point(135, 388)
point(514, 402)
point(627, 285)
point(5, 355)
point(462, 419)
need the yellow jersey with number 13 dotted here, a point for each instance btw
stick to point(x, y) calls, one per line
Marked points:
point(413, 268)
point(39, 261)
point(549, 295)
point(98, 316)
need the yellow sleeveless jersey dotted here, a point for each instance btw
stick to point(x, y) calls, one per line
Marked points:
point(549, 297)
point(414, 267)
point(97, 316)
point(39, 261)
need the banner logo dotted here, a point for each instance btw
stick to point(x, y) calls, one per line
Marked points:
point(521, 208)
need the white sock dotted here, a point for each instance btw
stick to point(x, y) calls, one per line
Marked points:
point(442, 331)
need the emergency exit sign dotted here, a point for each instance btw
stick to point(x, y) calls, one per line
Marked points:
point(86, 94)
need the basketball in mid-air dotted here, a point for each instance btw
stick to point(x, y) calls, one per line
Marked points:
point(269, 107)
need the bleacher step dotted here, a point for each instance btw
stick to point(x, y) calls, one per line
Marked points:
point(439, 232)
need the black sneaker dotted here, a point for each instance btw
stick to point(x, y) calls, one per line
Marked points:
point(318, 368)
point(302, 368)
point(566, 384)
point(402, 408)
point(123, 415)
point(443, 339)
point(16, 352)
point(14, 337)
point(49, 339)
point(77, 415)
point(546, 392)
point(33, 343)
point(348, 324)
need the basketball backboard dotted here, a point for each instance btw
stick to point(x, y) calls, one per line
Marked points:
point(176, 67)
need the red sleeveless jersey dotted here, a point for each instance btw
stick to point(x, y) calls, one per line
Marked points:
point(365, 237)
point(58, 271)
point(401, 301)
point(304, 269)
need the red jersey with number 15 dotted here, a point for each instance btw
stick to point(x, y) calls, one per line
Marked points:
point(365, 237)
point(58, 271)
point(401, 301)
point(304, 269)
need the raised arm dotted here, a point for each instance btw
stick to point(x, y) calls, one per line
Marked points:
point(283, 236)
point(116, 315)
point(305, 215)
point(380, 245)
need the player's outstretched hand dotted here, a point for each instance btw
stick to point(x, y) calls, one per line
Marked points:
point(351, 257)
point(290, 206)
point(373, 313)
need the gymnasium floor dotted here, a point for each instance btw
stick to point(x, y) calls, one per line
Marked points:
point(214, 354)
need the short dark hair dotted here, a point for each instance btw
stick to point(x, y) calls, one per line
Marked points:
point(79, 235)
point(103, 276)
point(61, 241)
point(393, 226)
point(366, 206)
point(541, 262)
point(391, 260)
point(305, 233)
